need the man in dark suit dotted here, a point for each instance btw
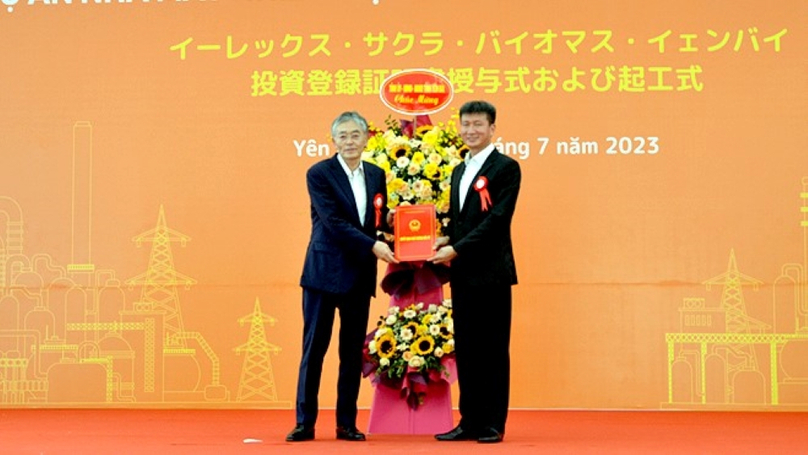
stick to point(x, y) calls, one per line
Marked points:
point(348, 206)
point(478, 245)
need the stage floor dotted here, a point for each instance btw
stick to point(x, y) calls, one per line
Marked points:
point(159, 432)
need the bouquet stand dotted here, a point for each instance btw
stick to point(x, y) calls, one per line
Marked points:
point(410, 283)
point(390, 414)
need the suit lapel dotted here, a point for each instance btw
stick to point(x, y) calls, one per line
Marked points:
point(370, 208)
point(454, 201)
point(473, 197)
point(344, 186)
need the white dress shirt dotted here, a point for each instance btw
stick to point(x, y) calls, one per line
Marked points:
point(357, 179)
point(473, 166)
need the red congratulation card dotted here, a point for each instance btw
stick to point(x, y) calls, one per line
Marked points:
point(415, 229)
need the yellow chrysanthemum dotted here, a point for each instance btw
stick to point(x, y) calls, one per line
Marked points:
point(442, 206)
point(423, 345)
point(431, 137)
point(376, 142)
point(418, 158)
point(386, 346)
point(448, 348)
point(397, 185)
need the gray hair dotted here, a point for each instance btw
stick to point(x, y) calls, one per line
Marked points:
point(347, 117)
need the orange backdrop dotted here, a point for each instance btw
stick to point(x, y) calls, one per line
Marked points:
point(154, 216)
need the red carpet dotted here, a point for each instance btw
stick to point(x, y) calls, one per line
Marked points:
point(157, 432)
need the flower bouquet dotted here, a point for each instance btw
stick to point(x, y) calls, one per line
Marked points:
point(410, 348)
point(418, 158)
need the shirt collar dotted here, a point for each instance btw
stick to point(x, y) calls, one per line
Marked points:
point(480, 158)
point(347, 170)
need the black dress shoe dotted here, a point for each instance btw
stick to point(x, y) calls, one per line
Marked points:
point(300, 433)
point(350, 434)
point(490, 435)
point(458, 433)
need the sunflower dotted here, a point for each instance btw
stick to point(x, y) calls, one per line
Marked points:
point(423, 345)
point(386, 345)
point(423, 129)
point(412, 326)
point(400, 150)
point(445, 332)
point(462, 151)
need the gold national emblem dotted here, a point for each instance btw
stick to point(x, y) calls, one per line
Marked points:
point(415, 225)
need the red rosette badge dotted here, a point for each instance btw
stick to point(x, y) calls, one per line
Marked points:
point(378, 202)
point(481, 186)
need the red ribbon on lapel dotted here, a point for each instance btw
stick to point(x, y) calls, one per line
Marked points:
point(481, 186)
point(378, 201)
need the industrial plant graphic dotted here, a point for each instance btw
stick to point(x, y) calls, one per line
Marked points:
point(68, 335)
point(722, 357)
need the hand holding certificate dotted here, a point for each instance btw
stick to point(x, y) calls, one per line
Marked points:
point(415, 231)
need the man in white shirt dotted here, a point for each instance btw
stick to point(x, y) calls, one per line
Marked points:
point(478, 245)
point(348, 206)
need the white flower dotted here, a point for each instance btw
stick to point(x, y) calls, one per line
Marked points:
point(413, 169)
point(391, 319)
point(443, 310)
point(435, 158)
point(438, 352)
point(372, 346)
point(384, 362)
point(451, 342)
point(434, 330)
point(416, 361)
point(381, 332)
point(409, 314)
point(392, 310)
point(403, 162)
point(447, 303)
point(406, 334)
point(433, 308)
point(420, 305)
point(425, 192)
point(402, 347)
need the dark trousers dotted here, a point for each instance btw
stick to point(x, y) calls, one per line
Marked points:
point(482, 323)
point(318, 320)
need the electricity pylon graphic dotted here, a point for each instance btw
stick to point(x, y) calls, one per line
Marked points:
point(160, 281)
point(737, 321)
point(257, 381)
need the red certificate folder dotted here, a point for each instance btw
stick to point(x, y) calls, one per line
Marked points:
point(415, 229)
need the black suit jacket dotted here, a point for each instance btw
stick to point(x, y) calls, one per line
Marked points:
point(339, 257)
point(482, 239)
